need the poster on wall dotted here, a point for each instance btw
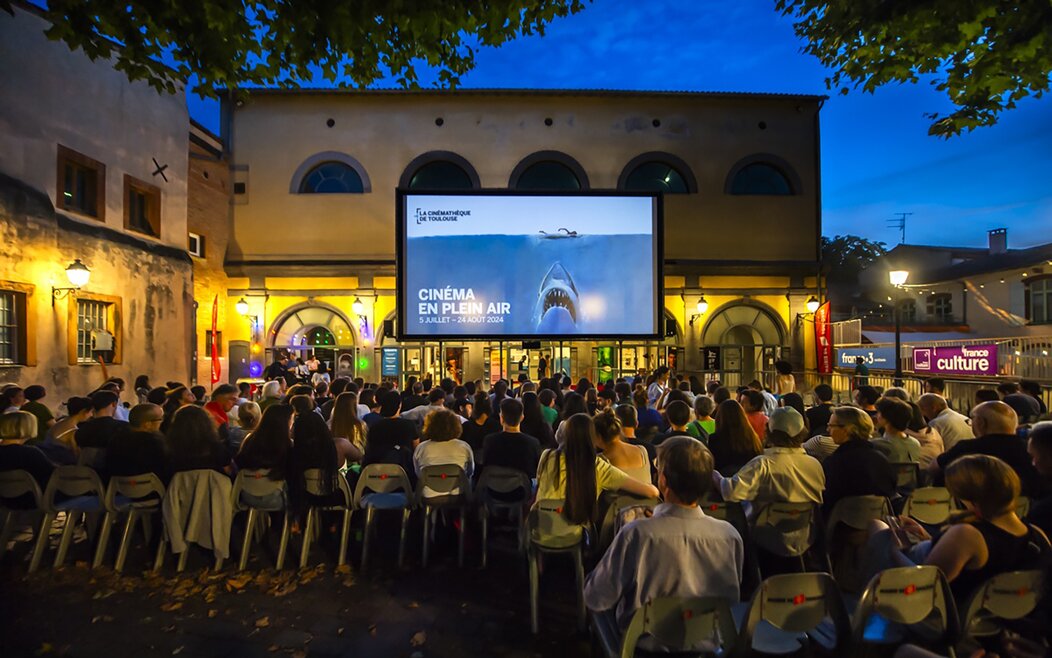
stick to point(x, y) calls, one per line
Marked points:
point(824, 339)
point(875, 358)
point(710, 356)
point(456, 279)
point(391, 362)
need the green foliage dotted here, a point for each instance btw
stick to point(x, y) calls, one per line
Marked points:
point(844, 256)
point(984, 54)
point(283, 42)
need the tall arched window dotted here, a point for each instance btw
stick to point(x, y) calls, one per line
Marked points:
point(762, 174)
point(332, 178)
point(549, 170)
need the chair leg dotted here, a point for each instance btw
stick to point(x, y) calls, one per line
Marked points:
point(345, 534)
point(162, 544)
point(129, 528)
point(427, 534)
point(308, 535)
point(484, 522)
point(42, 541)
point(365, 540)
point(67, 538)
point(578, 563)
point(246, 543)
point(401, 539)
point(5, 534)
point(104, 539)
point(534, 594)
point(463, 529)
point(181, 566)
point(283, 546)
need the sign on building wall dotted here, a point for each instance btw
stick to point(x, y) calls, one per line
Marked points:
point(390, 362)
point(711, 358)
point(823, 340)
point(877, 358)
point(956, 360)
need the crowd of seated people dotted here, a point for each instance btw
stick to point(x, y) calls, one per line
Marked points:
point(660, 437)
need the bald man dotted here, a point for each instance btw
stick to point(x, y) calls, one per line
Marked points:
point(994, 425)
point(950, 425)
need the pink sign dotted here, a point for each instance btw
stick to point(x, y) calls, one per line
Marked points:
point(957, 360)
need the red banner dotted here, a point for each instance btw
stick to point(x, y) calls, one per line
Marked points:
point(824, 340)
point(216, 366)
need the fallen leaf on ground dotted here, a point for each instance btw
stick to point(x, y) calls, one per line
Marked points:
point(172, 606)
point(372, 630)
point(178, 650)
point(418, 639)
point(168, 629)
point(339, 632)
point(272, 648)
point(414, 604)
point(299, 653)
point(103, 594)
point(343, 569)
point(263, 622)
point(97, 618)
point(282, 590)
point(212, 613)
point(45, 648)
point(238, 581)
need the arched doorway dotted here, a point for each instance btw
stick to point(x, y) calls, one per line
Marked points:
point(319, 329)
point(748, 336)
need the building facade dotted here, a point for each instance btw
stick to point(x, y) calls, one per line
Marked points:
point(311, 252)
point(92, 170)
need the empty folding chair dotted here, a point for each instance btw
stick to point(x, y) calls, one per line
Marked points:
point(137, 496)
point(82, 493)
point(902, 599)
point(702, 626)
point(321, 499)
point(1007, 596)
point(197, 510)
point(255, 493)
point(441, 487)
point(502, 490)
point(383, 487)
point(785, 529)
point(550, 532)
point(19, 494)
point(792, 610)
point(929, 506)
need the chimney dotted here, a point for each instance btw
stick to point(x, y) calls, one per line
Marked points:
point(998, 241)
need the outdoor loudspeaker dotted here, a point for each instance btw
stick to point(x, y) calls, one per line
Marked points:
point(389, 328)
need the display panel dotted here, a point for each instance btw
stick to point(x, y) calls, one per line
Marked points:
point(514, 265)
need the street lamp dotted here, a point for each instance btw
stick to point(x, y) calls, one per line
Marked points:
point(702, 307)
point(812, 304)
point(78, 275)
point(241, 306)
point(898, 279)
point(357, 306)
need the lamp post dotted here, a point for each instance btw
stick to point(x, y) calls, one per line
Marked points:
point(812, 305)
point(898, 279)
point(78, 275)
point(702, 307)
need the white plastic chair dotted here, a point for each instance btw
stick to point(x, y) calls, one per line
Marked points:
point(315, 489)
point(15, 484)
point(930, 506)
point(258, 484)
point(703, 625)
point(443, 480)
point(1006, 596)
point(550, 532)
point(508, 482)
point(907, 596)
point(84, 495)
point(138, 496)
point(383, 487)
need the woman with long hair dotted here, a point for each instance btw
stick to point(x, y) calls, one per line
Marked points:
point(632, 459)
point(573, 404)
point(193, 442)
point(574, 473)
point(533, 422)
point(268, 445)
point(312, 448)
point(348, 430)
point(734, 442)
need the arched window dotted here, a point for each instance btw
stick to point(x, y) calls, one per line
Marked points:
point(657, 172)
point(332, 178)
point(550, 171)
point(762, 174)
point(440, 175)
point(760, 178)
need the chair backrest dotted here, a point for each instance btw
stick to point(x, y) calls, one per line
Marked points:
point(381, 478)
point(857, 511)
point(907, 475)
point(549, 528)
point(732, 513)
point(1011, 595)
point(503, 480)
point(929, 505)
point(622, 510)
point(797, 603)
point(73, 481)
point(256, 483)
point(134, 487)
point(315, 484)
point(92, 457)
point(443, 479)
point(682, 624)
point(784, 528)
point(15, 484)
point(908, 595)
point(1022, 507)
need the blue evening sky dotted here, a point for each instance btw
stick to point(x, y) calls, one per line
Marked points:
point(877, 158)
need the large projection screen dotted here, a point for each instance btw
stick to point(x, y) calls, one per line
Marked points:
point(519, 265)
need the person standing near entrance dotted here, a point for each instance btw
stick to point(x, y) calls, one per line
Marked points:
point(312, 363)
point(658, 387)
point(542, 367)
point(861, 377)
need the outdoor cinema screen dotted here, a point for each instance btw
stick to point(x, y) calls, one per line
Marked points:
point(519, 265)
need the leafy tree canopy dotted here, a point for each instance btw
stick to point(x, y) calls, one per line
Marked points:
point(844, 256)
point(984, 54)
point(283, 42)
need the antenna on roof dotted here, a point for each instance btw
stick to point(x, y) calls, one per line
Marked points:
point(899, 223)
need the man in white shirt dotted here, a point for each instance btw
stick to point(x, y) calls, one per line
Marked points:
point(951, 426)
point(657, 389)
point(436, 399)
point(677, 552)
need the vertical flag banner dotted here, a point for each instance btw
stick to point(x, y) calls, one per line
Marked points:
point(216, 367)
point(824, 340)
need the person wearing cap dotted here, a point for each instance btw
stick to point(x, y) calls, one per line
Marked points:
point(783, 473)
